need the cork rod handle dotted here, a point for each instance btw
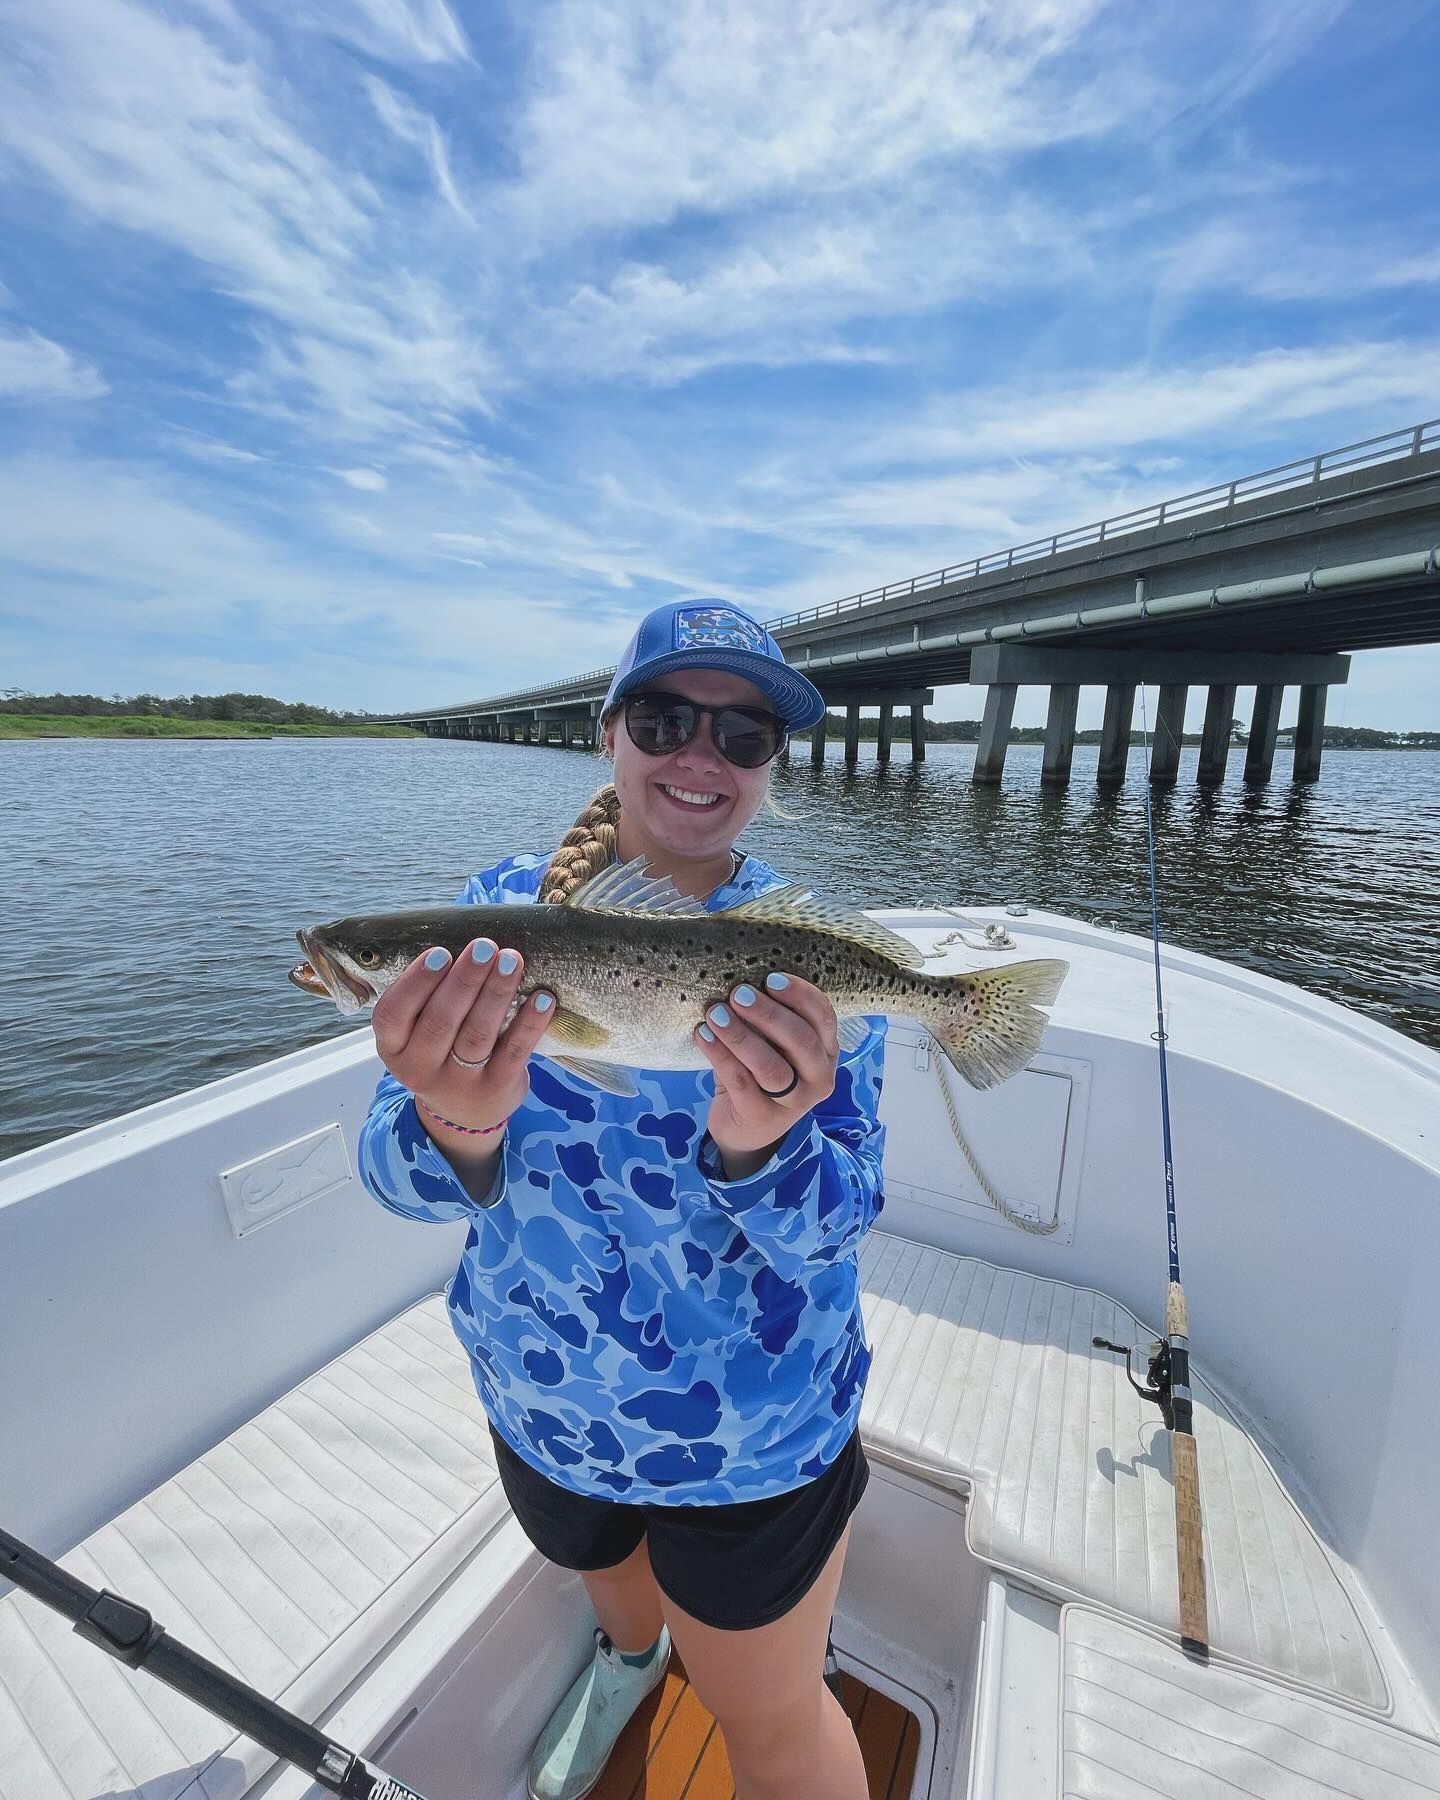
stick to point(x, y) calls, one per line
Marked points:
point(1189, 1547)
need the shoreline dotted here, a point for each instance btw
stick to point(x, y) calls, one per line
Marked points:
point(25, 728)
point(51, 730)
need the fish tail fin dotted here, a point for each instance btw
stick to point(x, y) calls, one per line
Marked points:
point(989, 1021)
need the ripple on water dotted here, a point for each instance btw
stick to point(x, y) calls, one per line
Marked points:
point(157, 886)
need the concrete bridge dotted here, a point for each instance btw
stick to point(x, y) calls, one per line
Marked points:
point(1264, 581)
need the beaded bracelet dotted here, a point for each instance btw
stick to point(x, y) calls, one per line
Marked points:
point(469, 1130)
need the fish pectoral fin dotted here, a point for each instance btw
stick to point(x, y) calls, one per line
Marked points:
point(626, 887)
point(574, 1029)
point(853, 1032)
point(794, 904)
point(609, 1076)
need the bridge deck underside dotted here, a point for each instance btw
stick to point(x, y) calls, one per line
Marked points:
point(1367, 620)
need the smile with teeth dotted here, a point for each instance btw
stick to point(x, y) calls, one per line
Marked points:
point(690, 797)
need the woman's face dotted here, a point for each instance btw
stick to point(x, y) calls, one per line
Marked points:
point(658, 794)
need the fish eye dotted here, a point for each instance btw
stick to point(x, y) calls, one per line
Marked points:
point(367, 956)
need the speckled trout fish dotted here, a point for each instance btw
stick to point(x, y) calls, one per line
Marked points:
point(633, 964)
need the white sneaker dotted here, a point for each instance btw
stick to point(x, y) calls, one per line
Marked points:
point(576, 1744)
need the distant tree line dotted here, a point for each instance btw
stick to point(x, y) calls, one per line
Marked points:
point(967, 731)
point(1361, 737)
point(252, 708)
point(264, 710)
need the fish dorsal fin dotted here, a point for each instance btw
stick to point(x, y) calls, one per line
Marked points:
point(794, 904)
point(626, 887)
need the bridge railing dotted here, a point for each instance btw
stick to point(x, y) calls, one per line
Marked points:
point(1390, 447)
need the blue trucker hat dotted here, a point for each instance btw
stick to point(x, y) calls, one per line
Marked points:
point(713, 634)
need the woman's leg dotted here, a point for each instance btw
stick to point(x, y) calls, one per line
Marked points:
point(626, 1601)
point(787, 1735)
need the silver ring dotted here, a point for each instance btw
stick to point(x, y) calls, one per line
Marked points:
point(469, 1065)
point(780, 1093)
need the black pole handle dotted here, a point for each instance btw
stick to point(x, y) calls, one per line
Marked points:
point(128, 1632)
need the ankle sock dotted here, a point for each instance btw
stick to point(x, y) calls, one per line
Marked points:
point(642, 1658)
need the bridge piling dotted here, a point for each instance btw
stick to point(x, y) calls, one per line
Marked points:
point(884, 732)
point(917, 732)
point(1264, 723)
point(1169, 733)
point(1115, 734)
point(852, 735)
point(1060, 734)
point(1309, 734)
point(994, 733)
point(1215, 734)
point(817, 743)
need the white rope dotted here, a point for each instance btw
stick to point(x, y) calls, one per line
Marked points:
point(993, 936)
point(1003, 1207)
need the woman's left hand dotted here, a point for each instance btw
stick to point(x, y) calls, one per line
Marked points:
point(774, 1055)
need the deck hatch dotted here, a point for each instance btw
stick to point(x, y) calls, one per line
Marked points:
point(280, 1180)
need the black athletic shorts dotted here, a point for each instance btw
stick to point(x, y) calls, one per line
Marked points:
point(733, 1566)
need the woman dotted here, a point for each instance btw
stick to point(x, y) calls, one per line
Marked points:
point(659, 1294)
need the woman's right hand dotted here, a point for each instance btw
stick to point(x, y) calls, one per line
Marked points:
point(431, 1015)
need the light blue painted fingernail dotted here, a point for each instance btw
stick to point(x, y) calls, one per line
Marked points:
point(509, 962)
point(744, 996)
point(437, 958)
point(720, 1015)
point(775, 983)
point(707, 1034)
point(543, 1002)
point(482, 950)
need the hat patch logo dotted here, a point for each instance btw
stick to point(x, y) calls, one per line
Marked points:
point(717, 628)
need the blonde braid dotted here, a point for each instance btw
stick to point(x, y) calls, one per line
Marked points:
point(585, 849)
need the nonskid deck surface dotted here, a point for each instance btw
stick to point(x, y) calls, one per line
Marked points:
point(989, 1375)
point(673, 1750)
point(295, 1550)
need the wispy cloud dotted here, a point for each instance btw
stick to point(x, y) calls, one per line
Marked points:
point(643, 112)
point(1198, 402)
point(153, 127)
point(397, 31)
point(418, 129)
point(369, 481)
point(34, 369)
point(208, 449)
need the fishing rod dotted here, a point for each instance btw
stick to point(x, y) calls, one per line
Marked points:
point(129, 1634)
point(1168, 1383)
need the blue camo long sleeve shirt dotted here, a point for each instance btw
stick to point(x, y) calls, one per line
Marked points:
point(638, 1327)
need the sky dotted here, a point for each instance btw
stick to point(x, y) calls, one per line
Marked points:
point(389, 353)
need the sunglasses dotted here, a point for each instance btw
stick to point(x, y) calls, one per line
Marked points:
point(660, 723)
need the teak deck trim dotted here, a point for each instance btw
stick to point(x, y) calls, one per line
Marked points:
point(673, 1750)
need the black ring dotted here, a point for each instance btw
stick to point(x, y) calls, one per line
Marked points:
point(780, 1093)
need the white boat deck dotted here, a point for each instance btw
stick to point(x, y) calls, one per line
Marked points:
point(293, 1552)
point(988, 1376)
point(1138, 1719)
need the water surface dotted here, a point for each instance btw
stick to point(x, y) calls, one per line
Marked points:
point(151, 889)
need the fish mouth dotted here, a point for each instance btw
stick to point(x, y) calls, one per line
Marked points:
point(305, 978)
point(321, 974)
